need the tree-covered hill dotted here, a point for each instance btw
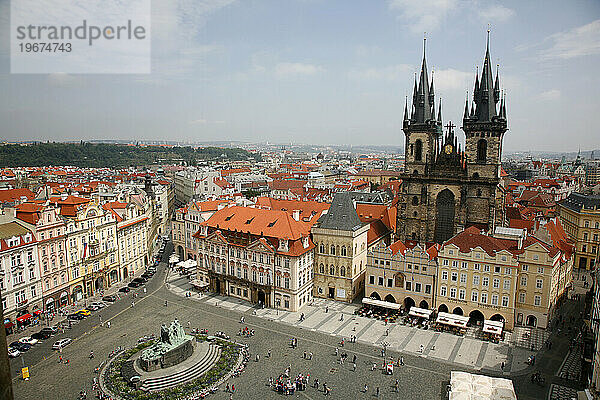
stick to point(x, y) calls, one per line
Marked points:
point(110, 155)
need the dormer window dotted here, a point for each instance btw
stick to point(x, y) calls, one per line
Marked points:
point(283, 245)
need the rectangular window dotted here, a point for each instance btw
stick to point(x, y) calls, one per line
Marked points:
point(463, 278)
point(475, 280)
point(453, 293)
point(539, 283)
point(486, 268)
point(522, 297)
point(504, 301)
point(524, 280)
point(485, 281)
point(408, 285)
point(444, 275)
point(390, 282)
point(380, 281)
point(454, 276)
point(497, 269)
point(464, 265)
point(427, 289)
point(496, 283)
point(445, 262)
point(443, 291)
point(484, 298)
point(494, 299)
point(461, 294)
point(506, 284)
point(287, 283)
point(454, 264)
point(417, 287)
point(474, 297)
point(477, 267)
point(537, 300)
point(371, 280)
point(525, 268)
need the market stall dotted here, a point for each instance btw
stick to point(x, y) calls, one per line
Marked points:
point(492, 330)
point(452, 322)
point(382, 310)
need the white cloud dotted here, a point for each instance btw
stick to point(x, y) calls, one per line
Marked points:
point(452, 79)
point(390, 73)
point(549, 95)
point(495, 14)
point(423, 15)
point(289, 70)
point(581, 41)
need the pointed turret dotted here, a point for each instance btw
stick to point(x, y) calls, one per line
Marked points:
point(431, 91)
point(466, 113)
point(485, 93)
point(423, 102)
point(497, 85)
point(439, 116)
point(406, 109)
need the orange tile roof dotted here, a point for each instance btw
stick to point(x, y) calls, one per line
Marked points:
point(10, 195)
point(256, 221)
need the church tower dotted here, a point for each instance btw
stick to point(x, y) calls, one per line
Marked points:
point(485, 124)
point(421, 128)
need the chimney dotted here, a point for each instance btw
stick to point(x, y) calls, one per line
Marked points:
point(296, 215)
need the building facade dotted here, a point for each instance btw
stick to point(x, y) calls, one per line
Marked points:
point(19, 272)
point(263, 256)
point(402, 273)
point(580, 216)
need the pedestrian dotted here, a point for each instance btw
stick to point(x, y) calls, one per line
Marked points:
point(60, 360)
point(342, 317)
point(397, 385)
point(377, 392)
point(144, 290)
point(67, 361)
point(353, 366)
point(421, 349)
point(132, 304)
point(232, 388)
point(374, 367)
point(304, 355)
point(227, 388)
point(257, 358)
point(326, 309)
point(108, 324)
point(354, 358)
point(310, 356)
point(337, 352)
point(269, 353)
point(366, 389)
point(502, 366)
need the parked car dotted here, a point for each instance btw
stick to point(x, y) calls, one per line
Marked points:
point(134, 284)
point(111, 298)
point(20, 346)
point(59, 344)
point(41, 335)
point(28, 340)
point(52, 330)
point(85, 312)
point(146, 275)
point(76, 316)
point(124, 289)
point(99, 304)
point(12, 352)
point(140, 279)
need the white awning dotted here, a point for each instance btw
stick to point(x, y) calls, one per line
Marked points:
point(199, 284)
point(459, 321)
point(494, 327)
point(379, 303)
point(471, 386)
point(187, 264)
point(174, 258)
point(419, 312)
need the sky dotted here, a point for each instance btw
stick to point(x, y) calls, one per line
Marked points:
point(323, 72)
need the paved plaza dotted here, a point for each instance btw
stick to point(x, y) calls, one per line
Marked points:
point(424, 376)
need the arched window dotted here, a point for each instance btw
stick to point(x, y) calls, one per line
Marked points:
point(481, 150)
point(418, 150)
point(343, 271)
point(478, 192)
point(332, 250)
point(322, 269)
point(322, 248)
point(343, 251)
point(415, 201)
point(332, 270)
